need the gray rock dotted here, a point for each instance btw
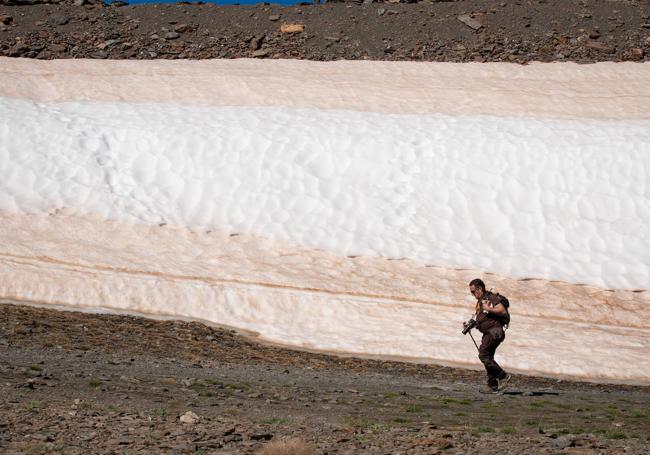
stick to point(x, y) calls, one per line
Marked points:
point(274, 17)
point(261, 53)
point(189, 417)
point(470, 21)
point(182, 28)
point(172, 35)
point(600, 47)
point(562, 442)
point(58, 19)
point(18, 50)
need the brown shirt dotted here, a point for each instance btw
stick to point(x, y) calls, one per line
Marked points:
point(486, 321)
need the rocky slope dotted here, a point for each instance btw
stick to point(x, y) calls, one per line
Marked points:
point(471, 30)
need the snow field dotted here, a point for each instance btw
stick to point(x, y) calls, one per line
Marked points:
point(564, 200)
point(327, 210)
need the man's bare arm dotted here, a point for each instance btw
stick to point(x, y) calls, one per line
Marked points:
point(497, 309)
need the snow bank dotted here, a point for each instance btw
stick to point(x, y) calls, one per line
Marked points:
point(547, 200)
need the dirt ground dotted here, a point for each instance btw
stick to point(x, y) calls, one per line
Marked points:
point(74, 383)
point(470, 30)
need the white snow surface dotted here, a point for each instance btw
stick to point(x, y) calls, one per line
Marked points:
point(556, 199)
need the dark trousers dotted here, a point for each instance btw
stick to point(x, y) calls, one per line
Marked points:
point(489, 344)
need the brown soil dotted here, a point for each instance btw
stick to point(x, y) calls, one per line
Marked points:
point(471, 30)
point(81, 383)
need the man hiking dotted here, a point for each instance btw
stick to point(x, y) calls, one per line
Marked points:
point(492, 318)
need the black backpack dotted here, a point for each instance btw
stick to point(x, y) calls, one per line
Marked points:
point(506, 303)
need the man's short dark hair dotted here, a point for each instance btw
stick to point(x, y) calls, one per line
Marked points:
point(477, 283)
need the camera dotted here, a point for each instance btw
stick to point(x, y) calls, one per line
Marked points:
point(469, 325)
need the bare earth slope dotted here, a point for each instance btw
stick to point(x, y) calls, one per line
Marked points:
point(471, 30)
point(79, 383)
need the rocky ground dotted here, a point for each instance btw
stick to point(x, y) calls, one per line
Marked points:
point(74, 383)
point(470, 30)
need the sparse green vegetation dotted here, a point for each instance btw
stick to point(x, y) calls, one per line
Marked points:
point(94, 382)
point(615, 434)
point(355, 421)
point(237, 386)
point(275, 421)
point(37, 449)
point(401, 420)
point(159, 412)
point(538, 404)
point(33, 406)
point(414, 408)
point(36, 368)
point(450, 400)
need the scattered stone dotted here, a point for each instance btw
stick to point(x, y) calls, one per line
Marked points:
point(172, 35)
point(254, 45)
point(79, 2)
point(594, 34)
point(58, 19)
point(634, 54)
point(18, 49)
point(646, 25)
point(562, 442)
point(6, 20)
point(108, 43)
point(182, 28)
point(292, 28)
point(470, 21)
point(99, 55)
point(274, 17)
point(381, 12)
point(600, 47)
point(189, 417)
point(56, 47)
point(261, 436)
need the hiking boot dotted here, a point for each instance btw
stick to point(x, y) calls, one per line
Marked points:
point(503, 382)
point(489, 390)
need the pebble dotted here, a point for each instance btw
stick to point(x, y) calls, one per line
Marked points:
point(189, 417)
point(58, 19)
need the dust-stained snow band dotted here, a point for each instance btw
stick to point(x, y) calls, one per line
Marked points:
point(520, 193)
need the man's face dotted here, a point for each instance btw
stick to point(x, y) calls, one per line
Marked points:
point(476, 292)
